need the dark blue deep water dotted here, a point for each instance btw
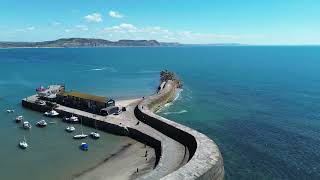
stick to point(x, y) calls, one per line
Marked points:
point(261, 105)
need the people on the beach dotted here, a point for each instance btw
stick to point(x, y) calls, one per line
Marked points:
point(146, 154)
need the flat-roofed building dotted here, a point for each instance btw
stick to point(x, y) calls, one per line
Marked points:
point(83, 101)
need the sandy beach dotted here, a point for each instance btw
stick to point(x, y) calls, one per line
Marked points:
point(122, 165)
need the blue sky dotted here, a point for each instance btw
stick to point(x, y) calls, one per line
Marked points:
point(185, 21)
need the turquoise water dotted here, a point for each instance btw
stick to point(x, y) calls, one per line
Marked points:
point(259, 104)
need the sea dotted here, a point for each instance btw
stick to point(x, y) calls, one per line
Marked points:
point(260, 105)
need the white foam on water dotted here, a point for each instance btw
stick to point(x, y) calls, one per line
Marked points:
point(98, 69)
point(176, 112)
point(166, 106)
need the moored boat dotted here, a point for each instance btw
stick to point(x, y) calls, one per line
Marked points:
point(19, 119)
point(42, 123)
point(95, 135)
point(80, 136)
point(72, 119)
point(23, 144)
point(10, 111)
point(51, 113)
point(84, 146)
point(70, 129)
point(26, 125)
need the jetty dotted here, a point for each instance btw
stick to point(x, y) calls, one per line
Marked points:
point(181, 152)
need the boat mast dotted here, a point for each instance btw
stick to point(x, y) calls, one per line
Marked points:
point(81, 126)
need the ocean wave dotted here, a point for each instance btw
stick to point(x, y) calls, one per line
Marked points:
point(166, 106)
point(98, 69)
point(109, 69)
point(175, 112)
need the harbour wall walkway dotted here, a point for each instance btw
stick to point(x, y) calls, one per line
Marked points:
point(205, 160)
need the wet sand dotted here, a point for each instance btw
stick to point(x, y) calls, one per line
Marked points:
point(122, 165)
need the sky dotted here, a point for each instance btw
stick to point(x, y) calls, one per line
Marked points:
point(269, 22)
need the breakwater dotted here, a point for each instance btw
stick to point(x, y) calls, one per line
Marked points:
point(181, 152)
point(205, 160)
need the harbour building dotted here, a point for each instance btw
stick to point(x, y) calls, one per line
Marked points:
point(83, 101)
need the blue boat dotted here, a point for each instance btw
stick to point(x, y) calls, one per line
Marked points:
point(84, 146)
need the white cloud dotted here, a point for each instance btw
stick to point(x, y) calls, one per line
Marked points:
point(155, 30)
point(192, 35)
point(131, 31)
point(95, 17)
point(55, 23)
point(115, 14)
point(27, 29)
point(67, 30)
point(122, 28)
point(82, 27)
point(31, 28)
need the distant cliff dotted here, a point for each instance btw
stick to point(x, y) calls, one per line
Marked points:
point(85, 42)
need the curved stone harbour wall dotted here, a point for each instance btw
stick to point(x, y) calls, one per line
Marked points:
point(205, 160)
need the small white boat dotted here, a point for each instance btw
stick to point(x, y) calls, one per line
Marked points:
point(72, 119)
point(51, 113)
point(19, 119)
point(23, 144)
point(80, 136)
point(42, 123)
point(10, 111)
point(70, 129)
point(95, 135)
point(26, 125)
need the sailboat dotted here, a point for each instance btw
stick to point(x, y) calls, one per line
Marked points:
point(19, 119)
point(72, 119)
point(70, 129)
point(51, 113)
point(10, 111)
point(26, 125)
point(42, 123)
point(23, 144)
point(95, 135)
point(80, 136)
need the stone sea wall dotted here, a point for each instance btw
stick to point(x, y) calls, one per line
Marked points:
point(205, 160)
